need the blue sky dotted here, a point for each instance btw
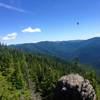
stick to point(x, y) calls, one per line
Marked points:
point(28, 21)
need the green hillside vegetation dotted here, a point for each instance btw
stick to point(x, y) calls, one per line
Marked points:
point(17, 67)
point(86, 50)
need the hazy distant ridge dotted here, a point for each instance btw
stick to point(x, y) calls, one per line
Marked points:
point(87, 50)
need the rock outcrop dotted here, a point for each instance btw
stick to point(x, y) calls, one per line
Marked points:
point(74, 87)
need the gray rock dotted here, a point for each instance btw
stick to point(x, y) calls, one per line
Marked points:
point(74, 87)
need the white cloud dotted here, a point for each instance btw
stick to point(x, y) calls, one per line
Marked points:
point(3, 5)
point(10, 36)
point(31, 30)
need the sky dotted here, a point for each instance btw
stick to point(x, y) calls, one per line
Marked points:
point(29, 21)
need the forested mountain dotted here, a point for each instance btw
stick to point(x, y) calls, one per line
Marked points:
point(86, 50)
point(24, 75)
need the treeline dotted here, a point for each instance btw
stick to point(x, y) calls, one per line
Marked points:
point(17, 66)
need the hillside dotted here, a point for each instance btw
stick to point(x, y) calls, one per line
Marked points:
point(86, 50)
point(27, 76)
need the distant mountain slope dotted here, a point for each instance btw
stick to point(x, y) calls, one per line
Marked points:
point(86, 50)
point(59, 49)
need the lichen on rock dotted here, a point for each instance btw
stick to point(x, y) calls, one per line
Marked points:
point(74, 87)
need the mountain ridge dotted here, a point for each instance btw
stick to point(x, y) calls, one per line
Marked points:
point(86, 50)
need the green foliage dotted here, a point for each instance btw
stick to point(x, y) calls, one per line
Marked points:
point(12, 83)
point(16, 67)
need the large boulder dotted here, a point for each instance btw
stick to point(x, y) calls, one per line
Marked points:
point(74, 87)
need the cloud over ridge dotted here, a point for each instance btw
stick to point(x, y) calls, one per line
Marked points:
point(10, 36)
point(31, 30)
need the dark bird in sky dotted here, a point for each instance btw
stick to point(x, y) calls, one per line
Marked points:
point(77, 23)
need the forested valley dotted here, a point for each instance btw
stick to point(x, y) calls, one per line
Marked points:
point(24, 75)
